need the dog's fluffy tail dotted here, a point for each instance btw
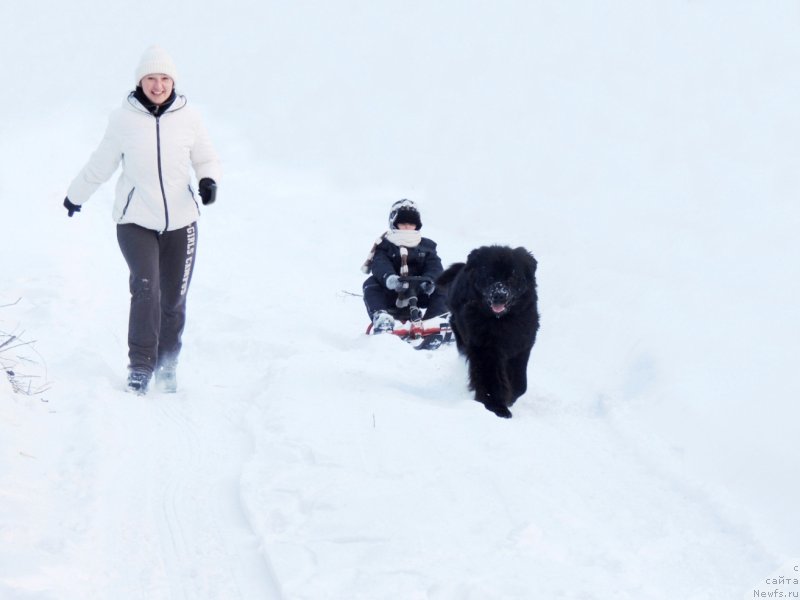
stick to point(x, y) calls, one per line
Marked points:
point(447, 277)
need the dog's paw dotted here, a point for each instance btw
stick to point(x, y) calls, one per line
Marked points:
point(500, 411)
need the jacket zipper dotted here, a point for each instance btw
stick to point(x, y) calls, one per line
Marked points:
point(128, 203)
point(160, 174)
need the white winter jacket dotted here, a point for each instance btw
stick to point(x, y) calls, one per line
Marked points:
point(154, 189)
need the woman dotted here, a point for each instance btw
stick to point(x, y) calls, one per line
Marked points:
point(156, 137)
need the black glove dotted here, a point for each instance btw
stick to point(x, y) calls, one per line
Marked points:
point(427, 287)
point(71, 208)
point(208, 190)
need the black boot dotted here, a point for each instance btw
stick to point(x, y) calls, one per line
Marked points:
point(138, 380)
point(166, 380)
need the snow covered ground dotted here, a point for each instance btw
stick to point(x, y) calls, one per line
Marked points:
point(645, 152)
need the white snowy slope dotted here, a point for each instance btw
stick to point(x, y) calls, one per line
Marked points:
point(645, 153)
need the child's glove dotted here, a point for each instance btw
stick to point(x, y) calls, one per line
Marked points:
point(427, 287)
point(393, 283)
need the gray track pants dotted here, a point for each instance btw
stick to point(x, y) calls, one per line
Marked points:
point(161, 266)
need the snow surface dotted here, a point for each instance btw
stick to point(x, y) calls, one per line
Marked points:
point(646, 152)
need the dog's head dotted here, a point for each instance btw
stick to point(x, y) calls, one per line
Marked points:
point(502, 277)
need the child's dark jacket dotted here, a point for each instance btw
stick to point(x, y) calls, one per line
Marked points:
point(422, 260)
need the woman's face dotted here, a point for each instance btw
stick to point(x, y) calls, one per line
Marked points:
point(157, 87)
point(406, 226)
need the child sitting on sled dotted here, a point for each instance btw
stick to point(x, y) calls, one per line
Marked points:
point(399, 252)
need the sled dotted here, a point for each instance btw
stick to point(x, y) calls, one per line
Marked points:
point(409, 326)
point(427, 334)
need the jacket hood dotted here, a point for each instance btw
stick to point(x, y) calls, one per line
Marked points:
point(133, 103)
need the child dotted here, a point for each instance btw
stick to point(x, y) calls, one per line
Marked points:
point(401, 251)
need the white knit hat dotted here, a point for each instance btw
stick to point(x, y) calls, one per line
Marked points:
point(155, 60)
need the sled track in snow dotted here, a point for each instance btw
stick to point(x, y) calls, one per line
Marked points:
point(208, 547)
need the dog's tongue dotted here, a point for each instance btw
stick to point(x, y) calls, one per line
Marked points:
point(498, 308)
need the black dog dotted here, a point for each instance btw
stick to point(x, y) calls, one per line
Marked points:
point(494, 316)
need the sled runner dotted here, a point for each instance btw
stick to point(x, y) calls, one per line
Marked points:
point(427, 334)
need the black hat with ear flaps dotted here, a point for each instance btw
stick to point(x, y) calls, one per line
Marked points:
point(404, 211)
